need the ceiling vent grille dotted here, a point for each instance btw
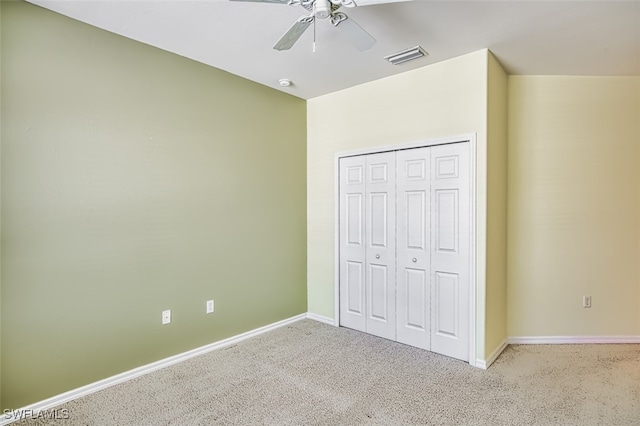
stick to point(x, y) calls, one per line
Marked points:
point(406, 55)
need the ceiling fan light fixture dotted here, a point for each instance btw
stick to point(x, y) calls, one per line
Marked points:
point(406, 55)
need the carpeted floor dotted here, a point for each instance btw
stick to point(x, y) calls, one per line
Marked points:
point(310, 373)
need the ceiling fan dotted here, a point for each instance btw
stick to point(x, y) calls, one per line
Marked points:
point(323, 9)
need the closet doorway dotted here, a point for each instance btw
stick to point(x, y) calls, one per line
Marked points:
point(405, 228)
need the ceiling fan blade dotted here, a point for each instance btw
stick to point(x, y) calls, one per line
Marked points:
point(370, 2)
point(355, 3)
point(359, 37)
point(293, 34)
point(265, 1)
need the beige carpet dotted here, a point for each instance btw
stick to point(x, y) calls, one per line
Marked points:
point(309, 373)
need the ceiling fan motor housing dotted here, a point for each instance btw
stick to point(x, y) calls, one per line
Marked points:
point(322, 9)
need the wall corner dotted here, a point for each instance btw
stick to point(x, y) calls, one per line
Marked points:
point(496, 272)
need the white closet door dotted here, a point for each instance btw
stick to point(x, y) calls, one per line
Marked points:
point(405, 222)
point(450, 240)
point(380, 244)
point(352, 242)
point(413, 247)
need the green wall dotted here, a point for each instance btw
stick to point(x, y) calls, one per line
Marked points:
point(133, 181)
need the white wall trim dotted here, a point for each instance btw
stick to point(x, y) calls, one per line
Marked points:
point(474, 243)
point(409, 145)
point(484, 364)
point(481, 364)
point(565, 340)
point(321, 318)
point(50, 403)
point(336, 236)
point(474, 321)
point(554, 340)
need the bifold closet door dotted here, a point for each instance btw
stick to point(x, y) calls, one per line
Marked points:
point(450, 249)
point(433, 236)
point(405, 223)
point(367, 244)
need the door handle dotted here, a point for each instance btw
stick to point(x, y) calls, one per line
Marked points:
point(414, 260)
point(377, 256)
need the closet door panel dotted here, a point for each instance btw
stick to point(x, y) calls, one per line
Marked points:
point(352, 243)
point(380, 239)
point(450, 245)
point(413, 247)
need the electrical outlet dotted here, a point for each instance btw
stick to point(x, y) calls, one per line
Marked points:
point(166, 316)
point(586, 301)
point(210, 306)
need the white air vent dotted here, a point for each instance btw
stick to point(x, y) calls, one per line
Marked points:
point(406, 55)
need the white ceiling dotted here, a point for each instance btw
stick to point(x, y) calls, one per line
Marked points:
point(528, 37)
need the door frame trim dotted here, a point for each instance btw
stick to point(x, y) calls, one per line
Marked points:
point(473, 279)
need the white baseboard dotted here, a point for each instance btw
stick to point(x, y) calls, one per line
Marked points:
point(553, 340)
point(565, 340)
point(50, 403)
point(321, 318)
point(484, 364)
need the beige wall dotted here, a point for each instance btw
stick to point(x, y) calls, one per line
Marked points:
point(574, 205)
point(496, 303)
point(440, 100)
point(134, 181)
